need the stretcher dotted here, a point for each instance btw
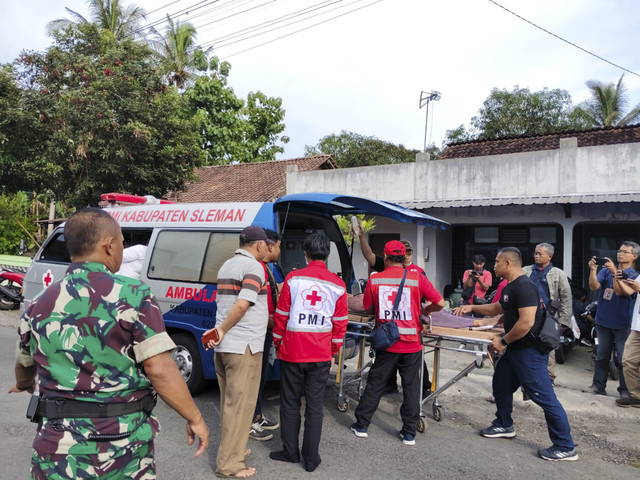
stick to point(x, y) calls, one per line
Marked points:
point(470, 340)
point(359, 327)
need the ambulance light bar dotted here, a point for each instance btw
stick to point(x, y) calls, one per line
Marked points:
point(133, 199)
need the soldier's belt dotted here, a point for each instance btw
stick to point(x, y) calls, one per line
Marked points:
point(66, 408)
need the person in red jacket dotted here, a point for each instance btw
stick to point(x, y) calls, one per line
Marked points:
point(310, 323)
point(406, 353)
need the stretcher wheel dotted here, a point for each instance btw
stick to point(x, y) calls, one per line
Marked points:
point(421, 425)
point(343, 405)
point(437, 413)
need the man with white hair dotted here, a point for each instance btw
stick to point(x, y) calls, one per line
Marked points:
point(555, 291)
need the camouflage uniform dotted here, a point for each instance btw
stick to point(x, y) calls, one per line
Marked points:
point(88, 334)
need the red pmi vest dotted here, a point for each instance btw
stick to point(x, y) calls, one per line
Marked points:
point(385, 289)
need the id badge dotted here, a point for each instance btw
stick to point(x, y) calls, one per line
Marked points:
point(608, 294)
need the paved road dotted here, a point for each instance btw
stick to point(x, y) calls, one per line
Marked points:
point(608, 436)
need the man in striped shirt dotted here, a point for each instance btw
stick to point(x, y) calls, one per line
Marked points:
point(241, 322)
point(310, 323)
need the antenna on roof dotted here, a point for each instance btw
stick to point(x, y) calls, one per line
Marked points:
point(425, 98)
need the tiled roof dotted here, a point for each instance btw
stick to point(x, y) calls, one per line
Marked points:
point(247, 182)
point(586, 138)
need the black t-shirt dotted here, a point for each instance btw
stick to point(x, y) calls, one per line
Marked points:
point(378, 266)
point(520, 293)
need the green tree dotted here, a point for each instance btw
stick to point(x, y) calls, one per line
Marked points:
point(346, 227)
point(110, 15)
point(14, 216)
point(457, 135)
point(351, 149)
point(176, 50)
point(94, 115)
point(608, 103)
point(231, 129)
point(522, 112)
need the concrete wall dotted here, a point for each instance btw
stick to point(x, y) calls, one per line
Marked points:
point(568, 170)
point(602, 169)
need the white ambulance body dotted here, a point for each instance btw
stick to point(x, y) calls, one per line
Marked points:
point(189, 242)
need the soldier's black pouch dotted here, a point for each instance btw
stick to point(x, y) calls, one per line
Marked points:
point(32, 409)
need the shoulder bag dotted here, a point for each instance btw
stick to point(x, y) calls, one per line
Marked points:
point(386, 334)
point(548, 337)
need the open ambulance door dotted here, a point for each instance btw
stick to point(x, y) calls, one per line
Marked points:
point(303, 213)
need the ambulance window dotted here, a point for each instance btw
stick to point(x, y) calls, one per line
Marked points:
point(178, 255)
point(56, 250)
point(333, 262)
point(221, 248)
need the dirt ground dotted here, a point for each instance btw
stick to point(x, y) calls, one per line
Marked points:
point(600, 428)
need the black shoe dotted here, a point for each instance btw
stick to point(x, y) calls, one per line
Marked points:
point(259, 433)
point(627, 402)
point(498, 432)
point(267, 424)
point(311, 468)
point(555, 455)
point(593, 389)
point(360, 432)
point(281, 457)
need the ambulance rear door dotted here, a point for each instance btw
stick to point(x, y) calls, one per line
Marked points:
point(292, 211)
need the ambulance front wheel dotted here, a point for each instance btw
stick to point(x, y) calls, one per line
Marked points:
point(187, 357)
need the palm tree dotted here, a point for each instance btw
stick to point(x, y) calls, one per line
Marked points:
point(111, 15)
point(607, 104)
point(175, 51)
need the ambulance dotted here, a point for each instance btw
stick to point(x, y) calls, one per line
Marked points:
point(187, 243)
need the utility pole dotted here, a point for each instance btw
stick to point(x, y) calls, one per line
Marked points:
point(425, 98)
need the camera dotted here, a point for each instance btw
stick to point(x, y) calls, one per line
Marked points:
point(600, 261)
point(622, 276)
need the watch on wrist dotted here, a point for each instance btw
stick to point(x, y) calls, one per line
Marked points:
point(504, 342)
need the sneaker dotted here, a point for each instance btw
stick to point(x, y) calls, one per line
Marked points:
point(360, 432)
point(627, 402)
point(593, 389)
point(259, 433)
point(267, 424)
point(555, 455)
point(498, 432)
point(407, 438)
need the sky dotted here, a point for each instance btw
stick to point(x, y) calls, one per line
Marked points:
point(364, 71)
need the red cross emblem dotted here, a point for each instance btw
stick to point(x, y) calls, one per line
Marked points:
point(47, 278)
point(390, 298)
point(313, 298)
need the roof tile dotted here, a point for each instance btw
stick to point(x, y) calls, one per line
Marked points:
point(501, 146)
point(247, 182)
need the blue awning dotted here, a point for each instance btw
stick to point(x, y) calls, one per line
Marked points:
point(335, 204)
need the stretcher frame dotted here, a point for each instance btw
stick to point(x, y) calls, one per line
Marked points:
point(342, 378)
point(432, 341)
point(473, 342)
